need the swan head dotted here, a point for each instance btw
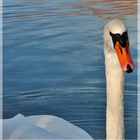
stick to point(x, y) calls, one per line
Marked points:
point(116, 41)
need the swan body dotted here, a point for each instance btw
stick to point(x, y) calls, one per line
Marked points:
point(41, 127)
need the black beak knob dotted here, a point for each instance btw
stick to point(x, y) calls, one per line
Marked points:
point(129, 69)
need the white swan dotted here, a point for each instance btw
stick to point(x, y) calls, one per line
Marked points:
point(45, 127)
point(117, 61)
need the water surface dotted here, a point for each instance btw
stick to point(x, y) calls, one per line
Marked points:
point(54, 62)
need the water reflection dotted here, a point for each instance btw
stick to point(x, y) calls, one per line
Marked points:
point(28, 10)
point(106, 9)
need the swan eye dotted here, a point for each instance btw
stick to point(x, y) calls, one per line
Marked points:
point(122, 39)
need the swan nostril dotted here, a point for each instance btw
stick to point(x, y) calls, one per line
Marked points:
point(129, 69)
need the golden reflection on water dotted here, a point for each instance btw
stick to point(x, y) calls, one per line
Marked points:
point(33, 10)
point(105, 9)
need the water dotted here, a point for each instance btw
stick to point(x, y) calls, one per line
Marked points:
point(54, 63)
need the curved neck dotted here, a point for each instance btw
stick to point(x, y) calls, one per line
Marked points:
point(115, 105)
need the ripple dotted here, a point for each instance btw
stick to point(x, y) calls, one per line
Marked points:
point(105, 9)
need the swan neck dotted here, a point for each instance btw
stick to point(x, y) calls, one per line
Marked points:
point(115, 102)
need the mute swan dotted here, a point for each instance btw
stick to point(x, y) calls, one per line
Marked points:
point(118, 60)
point(41, 127)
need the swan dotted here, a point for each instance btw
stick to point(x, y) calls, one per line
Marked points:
point(118, 60)
point(41, 127)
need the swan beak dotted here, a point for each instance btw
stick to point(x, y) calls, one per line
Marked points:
point(124, 57)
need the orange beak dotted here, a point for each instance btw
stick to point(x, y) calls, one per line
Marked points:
point(124, 57)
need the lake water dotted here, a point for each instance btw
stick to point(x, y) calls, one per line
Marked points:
point(54, 62)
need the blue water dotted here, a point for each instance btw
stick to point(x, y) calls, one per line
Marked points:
point(53, 61)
